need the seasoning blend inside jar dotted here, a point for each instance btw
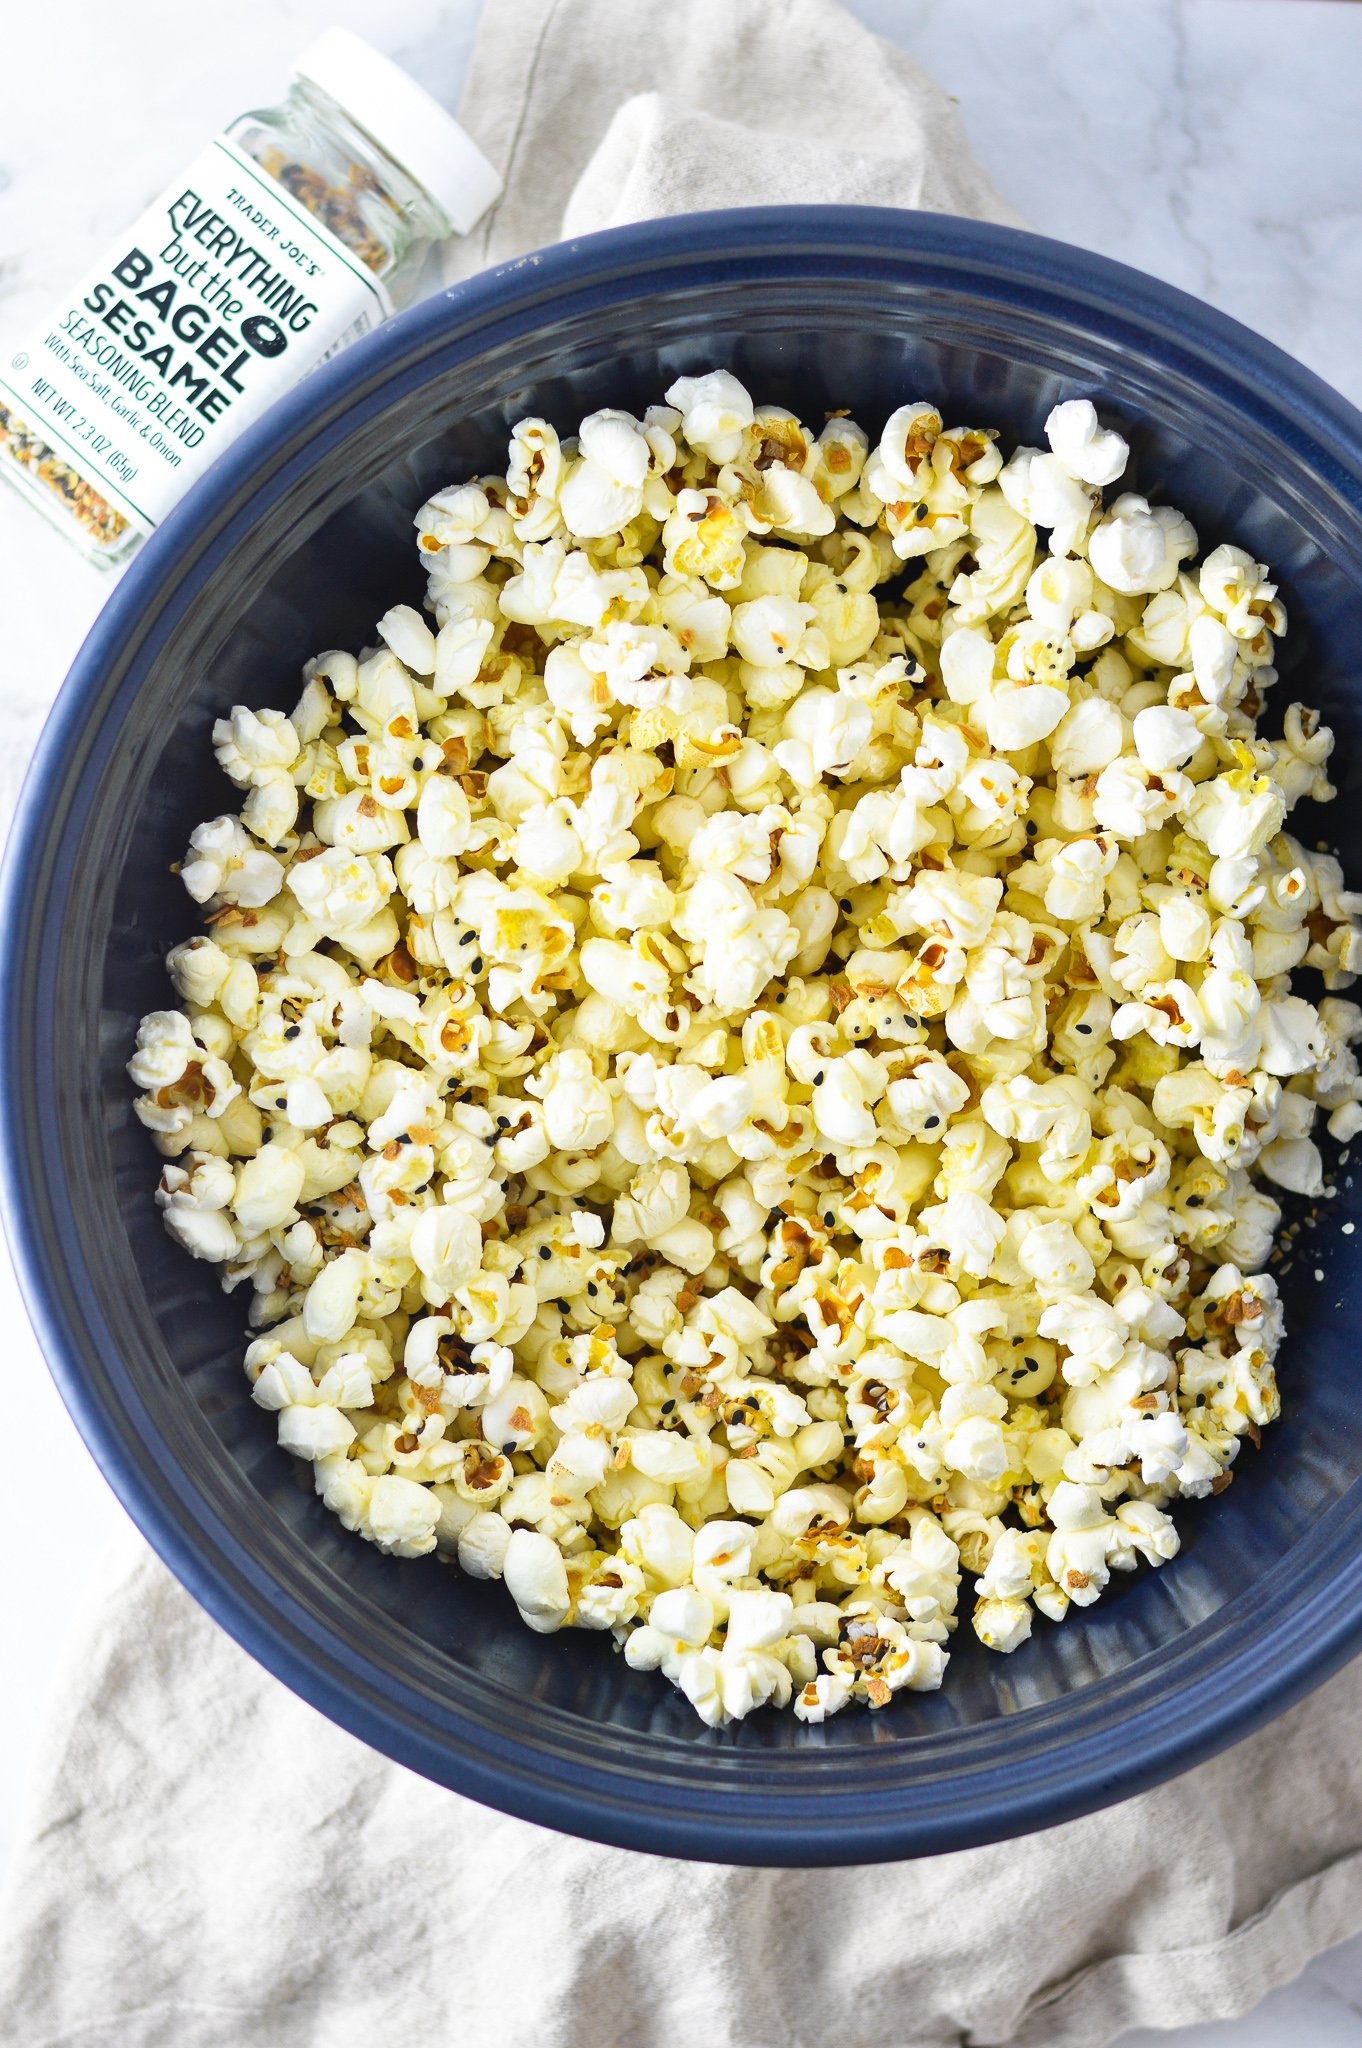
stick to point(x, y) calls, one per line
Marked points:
point(296, 230)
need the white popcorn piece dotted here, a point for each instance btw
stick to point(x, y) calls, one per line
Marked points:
point(604, 490)
point(315, 1431)
point(536, 1578)
point(410, 638)
point(1003, 1625)
point(446, 1245)
point(822, 1697)
point(224, 861)
point(1040, 490)
point(1139, 547)
point(401, 1516)
point(267, 1190)
point(194, 1205)
point(252, 745)
point(1089, 451)
point(341, 890)
point(1165, 739)
point(715, 412)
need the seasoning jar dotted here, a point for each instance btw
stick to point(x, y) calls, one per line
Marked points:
point(296, 230)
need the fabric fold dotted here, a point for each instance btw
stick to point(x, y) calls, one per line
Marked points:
point(601, 111)
point(211, 1864)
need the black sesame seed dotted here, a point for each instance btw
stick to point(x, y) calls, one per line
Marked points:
point(475, 964)
point(508, 1450)
point(845, 905)
point(293, 1031)
point(591, 1287)
point(931, 1123)
point(828, 1218)
point(1083, 1030)
point(545, 1252)
point(667, 1407)
point(503, 1123)
point(1031, 828)
point(468, 938)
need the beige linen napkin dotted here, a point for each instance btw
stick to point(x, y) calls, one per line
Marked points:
point(598, 112)
point(210, 1864)
point(213, 1865)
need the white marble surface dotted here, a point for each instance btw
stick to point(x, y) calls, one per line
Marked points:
point(1214, 142)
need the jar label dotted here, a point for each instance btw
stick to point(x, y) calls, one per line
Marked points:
point(223, 294)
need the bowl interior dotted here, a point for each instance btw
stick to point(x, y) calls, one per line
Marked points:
point(307, 539)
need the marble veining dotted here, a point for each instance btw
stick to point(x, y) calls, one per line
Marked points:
point(1207, 141)
point(1212, 142)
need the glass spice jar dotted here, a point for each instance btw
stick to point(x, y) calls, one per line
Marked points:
point(299, 228)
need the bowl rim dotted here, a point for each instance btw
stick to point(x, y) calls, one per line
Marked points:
point(1252, 1674)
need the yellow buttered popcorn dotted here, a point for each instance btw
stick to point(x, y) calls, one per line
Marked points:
point(743, 1050)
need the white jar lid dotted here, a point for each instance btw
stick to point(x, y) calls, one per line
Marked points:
point(405, 122)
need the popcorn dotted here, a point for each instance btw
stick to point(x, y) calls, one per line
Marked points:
point(536, 1578)
point(823, 1696)
point(253, 745)
point(825, 731)
point(1089, 451)
point(446, 1247)
point(1139, 547)
point(1002, 1625)
point(339, 890)
point(1237, 588)
point(578, 1112)
point(604, 490)
point(182, 1077)
point(742, 944)
point(735, 1073)
point(1089, 738)
point(194, 1202)
point(715, 412)
point(1165, 739)
point(267, 1189)
point(1236, 815)
point(401, 1516)
point(225, 862)
point(410, 638)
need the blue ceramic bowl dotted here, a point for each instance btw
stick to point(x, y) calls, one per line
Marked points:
point(298, 538)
